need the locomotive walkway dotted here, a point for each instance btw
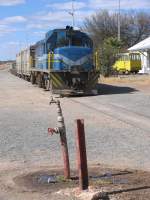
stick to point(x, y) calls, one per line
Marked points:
point(117, 125)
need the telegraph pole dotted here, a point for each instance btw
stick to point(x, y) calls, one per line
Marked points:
point(119, 20)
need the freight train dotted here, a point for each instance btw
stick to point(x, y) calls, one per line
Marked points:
point(62, 62)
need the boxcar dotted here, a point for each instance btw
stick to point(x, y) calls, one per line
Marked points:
point(24, 62)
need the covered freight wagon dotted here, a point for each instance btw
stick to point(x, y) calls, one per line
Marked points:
point(24, 62)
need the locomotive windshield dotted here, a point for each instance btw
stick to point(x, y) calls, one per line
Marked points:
point(74, 38)
point(64, 38)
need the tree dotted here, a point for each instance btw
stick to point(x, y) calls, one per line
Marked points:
point(134, 27)
point(108, 51)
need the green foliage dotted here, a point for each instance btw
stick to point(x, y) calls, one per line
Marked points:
point(108, 51)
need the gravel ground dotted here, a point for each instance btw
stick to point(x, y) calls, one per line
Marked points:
point(117, 124)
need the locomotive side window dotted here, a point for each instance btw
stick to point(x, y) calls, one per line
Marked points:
point(62, 41)
point(81, 40)
point(51, 43)
point(40, 49)
point(87, 42)
point(76, 41)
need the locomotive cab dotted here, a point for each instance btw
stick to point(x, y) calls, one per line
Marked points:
point(63, 63)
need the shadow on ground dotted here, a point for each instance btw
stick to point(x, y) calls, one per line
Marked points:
point(105, 89)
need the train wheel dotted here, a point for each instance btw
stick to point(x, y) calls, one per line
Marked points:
point(127, 72)
point(39, 81)
point(26, 78)
point(47, 85)
point(43, 82)
point(50, 86)
point(32, 79)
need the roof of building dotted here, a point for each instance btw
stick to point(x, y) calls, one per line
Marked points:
point(143, 45)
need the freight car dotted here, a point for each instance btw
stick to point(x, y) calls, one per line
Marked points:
point(24, 62)
point(62, 62)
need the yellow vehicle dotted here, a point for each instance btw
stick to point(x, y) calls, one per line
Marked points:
point(128, 63)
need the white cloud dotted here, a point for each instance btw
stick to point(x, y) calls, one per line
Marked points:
point(68, 5)
point(57, 19)
point(11, 2)
point(13, 19)
point(38, 25)
point(58, 15)
point(113, 4)
point(49, 20)
point(4, 29)
point(135, 4)
point(81, 15)
point(12, 43)
point(39, 33)
point(53, 16)
point(102, 4)
point(5, 23)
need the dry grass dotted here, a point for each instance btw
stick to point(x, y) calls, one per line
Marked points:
point(137, 79)
point(2, 67)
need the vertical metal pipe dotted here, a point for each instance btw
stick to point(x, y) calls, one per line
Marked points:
point(65, 155)
point(119, 20)
point(81, 155)
point(73, 14)
point(63, 141)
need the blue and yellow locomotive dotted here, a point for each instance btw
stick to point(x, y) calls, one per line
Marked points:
point(63, 62)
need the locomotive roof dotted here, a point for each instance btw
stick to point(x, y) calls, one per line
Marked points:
point(61, 29)
point(49, 34)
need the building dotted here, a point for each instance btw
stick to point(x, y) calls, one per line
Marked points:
point(144, 48)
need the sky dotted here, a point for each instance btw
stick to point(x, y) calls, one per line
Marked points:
point(24, 22)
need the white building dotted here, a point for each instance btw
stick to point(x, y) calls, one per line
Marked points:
point(144, 48)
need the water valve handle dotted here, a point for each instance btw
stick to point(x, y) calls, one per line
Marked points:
point(51, 131)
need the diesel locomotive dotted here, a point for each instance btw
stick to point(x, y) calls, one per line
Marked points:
point(63, 62)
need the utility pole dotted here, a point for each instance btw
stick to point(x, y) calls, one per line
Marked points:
point(73, 14)
point(119, 20)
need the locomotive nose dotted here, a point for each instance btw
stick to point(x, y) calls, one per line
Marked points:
point(67, 58)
